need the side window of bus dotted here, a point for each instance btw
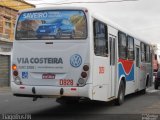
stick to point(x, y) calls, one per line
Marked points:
point(100, 39)
point(130, 48)
point(122, 45)
point(143, 52)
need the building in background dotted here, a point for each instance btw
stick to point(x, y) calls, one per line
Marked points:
point(8, 14)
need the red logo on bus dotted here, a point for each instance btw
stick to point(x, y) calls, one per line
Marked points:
point(101, 70)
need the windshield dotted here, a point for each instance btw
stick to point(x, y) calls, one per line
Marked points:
point(49, 25)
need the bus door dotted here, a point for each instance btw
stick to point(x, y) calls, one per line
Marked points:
point(112, 44)
point(137, 68)
point(101, 88)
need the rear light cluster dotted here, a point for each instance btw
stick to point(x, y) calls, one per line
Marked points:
point(84, 76)
point(16, 77)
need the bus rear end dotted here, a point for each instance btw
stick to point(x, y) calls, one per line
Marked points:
point(51, 54)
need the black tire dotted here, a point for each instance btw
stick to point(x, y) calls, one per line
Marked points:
point(121, 94)
point(155, 85)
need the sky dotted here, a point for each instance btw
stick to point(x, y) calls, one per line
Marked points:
point(140, 17)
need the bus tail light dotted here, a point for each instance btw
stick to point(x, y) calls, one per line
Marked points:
point(15, 73)
point(81, 82)
point(17, 80)
point(85, 67)
point(14, 67)
point(84, 76)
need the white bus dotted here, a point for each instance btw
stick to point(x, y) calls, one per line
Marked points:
point(71, 53)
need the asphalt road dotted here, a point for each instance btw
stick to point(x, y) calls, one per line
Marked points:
point(134, 107)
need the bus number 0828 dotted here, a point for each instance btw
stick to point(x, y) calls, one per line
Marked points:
point(66, 82)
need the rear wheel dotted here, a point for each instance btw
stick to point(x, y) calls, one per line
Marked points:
point(121, 94)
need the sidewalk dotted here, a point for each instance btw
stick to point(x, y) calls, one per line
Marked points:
point(4, 89)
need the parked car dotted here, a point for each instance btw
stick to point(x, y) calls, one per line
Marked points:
point(157, 80)
point(57, 29)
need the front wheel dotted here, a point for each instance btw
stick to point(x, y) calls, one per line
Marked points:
point(121, 94)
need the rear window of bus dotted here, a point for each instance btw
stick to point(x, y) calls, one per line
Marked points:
point(50, 25)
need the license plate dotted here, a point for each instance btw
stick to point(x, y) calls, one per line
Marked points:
point(48, 76)
point(42, 31)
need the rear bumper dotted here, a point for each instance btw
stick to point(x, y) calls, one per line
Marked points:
point(51, 91)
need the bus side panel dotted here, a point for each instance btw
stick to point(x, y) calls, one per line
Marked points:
point(126, 69)
point(101, 79)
